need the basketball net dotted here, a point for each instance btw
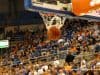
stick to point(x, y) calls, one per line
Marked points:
point(53, 24)
point(50, 20)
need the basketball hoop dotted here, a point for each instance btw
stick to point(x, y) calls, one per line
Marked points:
point(53, 24)
point(47, 14)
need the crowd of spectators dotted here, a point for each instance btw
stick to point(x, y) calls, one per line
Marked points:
point(75, 53)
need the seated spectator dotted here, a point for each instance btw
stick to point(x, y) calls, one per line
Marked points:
point(61, 72)
point(56, 62)
point(69, 58)
point(68, 67)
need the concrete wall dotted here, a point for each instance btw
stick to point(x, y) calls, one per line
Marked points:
point(4, 5)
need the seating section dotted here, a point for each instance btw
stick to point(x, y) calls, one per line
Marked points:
point(75, 52)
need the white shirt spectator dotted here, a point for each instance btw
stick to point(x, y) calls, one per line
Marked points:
point(35, 73)
point(96, 33)
point(83, 64)
point(61, 40)
point(56, 63)
point(40, 71)
point(66, 43)
point(98, 64)
point(45, 67)
point(80, 38)
point(31, 73)
point(61, 74)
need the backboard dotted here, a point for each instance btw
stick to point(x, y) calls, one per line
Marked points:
point(62, 7)
point(65, 7)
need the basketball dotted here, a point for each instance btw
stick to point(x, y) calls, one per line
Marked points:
point(84, 6)
point(53, 33)
point(80, 6)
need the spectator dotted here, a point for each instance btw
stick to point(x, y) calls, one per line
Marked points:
point(69, 58)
